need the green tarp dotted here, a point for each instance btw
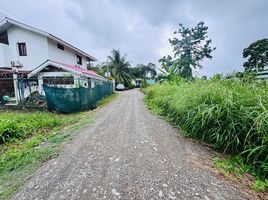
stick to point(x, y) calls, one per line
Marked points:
point(70, 100)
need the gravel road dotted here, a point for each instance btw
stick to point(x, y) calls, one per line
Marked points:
point(128, 153)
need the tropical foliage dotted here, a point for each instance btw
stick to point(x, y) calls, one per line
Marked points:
point(256, 55)
point(99, 69)
point(119, 68)
point(142, 71)
point(190, 47)
point(230, 114)
point(170, 73)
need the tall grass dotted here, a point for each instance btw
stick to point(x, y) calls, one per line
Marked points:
point(17, 125)
point(229, 114)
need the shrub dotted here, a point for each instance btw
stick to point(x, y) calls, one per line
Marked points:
point(229, 114)
point(131, 86)
point(144, 84)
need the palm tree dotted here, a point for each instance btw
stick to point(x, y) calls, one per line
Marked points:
point(119, 68)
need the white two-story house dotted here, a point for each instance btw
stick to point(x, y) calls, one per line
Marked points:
point(27, 52)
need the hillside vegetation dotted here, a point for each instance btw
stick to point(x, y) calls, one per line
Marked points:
point(229, 114)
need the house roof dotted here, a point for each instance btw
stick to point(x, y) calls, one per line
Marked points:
point(68, 68)
point(85, 71)
point(7, 22)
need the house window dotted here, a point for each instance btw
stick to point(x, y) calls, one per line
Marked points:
point(22, 49)
point(60, 46)
point(4, 38)
point(88, 64)
point(79, 60)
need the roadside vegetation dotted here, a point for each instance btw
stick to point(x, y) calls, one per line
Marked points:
point(30, 138)
point(230, 113)
point(18, 125)
point(21, 151)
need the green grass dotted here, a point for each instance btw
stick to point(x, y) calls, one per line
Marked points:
point(234, 165)
point(107, 100)
point(19, 125)
point(18, 162)
point(260, 185)
point(20, 157)
point(230, 165)
point(231, 115)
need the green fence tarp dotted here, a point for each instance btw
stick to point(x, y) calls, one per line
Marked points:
point(69, 100)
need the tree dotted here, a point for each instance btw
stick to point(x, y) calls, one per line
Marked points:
point(99, 69)
point(119, 68)
point(142, 71)
point(204, 78)
point(166, 61)
point(190, 47)
point(151, 68)
point(256, 55)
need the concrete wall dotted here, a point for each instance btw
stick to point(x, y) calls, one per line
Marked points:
point(39, 49)
point(67, 56)
point(5, 55)
point(36, 45)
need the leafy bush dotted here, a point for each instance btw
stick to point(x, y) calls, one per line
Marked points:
point(229, 114)
point(144, 84)
point(131, 86)
point(14, 125)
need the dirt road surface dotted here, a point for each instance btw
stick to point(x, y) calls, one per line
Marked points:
point(128, 153)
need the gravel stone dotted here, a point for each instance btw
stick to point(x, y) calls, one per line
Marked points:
point(128, 148)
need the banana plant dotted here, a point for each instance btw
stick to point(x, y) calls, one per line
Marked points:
point(171, 72)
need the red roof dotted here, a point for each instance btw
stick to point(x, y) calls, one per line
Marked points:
point(81, 70)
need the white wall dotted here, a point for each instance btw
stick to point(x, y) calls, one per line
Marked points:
point(39, 49)
point(5, 55)
point(36, 45)
point(67, 56)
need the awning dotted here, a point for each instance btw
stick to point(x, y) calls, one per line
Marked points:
point(66, 67)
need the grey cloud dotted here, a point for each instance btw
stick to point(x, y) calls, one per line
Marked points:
point(141, 28)
point(155, 12)
point(233, 26)
point(121, 25)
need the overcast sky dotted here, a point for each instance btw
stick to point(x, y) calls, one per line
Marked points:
point(141, 28)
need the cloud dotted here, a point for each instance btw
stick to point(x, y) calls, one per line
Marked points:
point(142, 28)
point(233, 25)
point(126, 25)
